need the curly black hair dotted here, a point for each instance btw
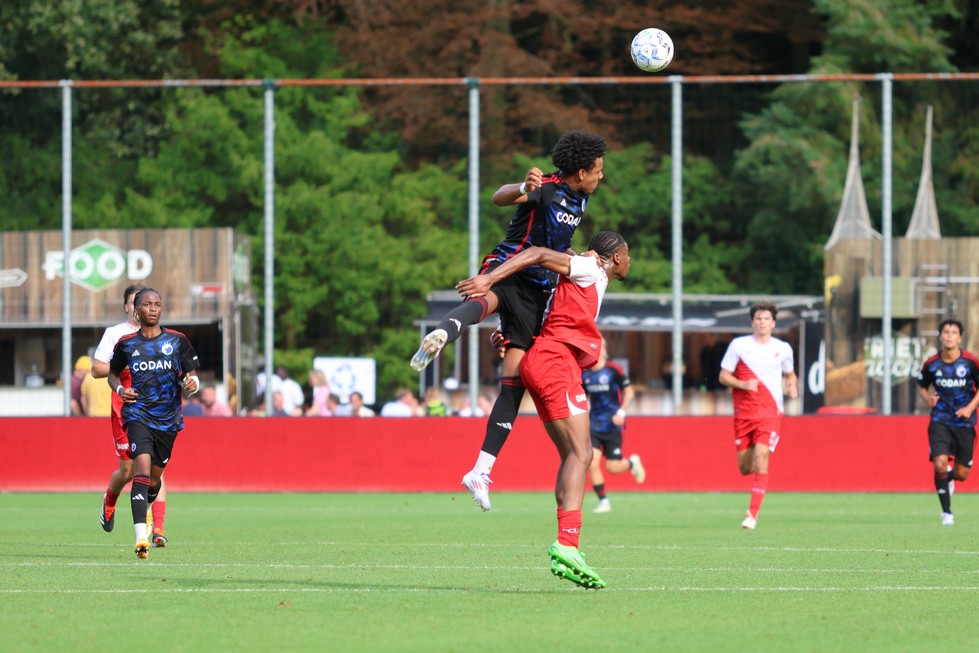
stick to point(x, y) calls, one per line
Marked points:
point(140, 293)
point(577, 150)
point(606, 243)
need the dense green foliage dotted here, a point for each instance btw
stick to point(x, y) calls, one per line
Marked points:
point(372, 185)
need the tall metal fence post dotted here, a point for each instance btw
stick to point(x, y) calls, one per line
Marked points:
point(66, 364)
point(473, 231)
point(887, 83)
point(270, 87)
point(676, 137)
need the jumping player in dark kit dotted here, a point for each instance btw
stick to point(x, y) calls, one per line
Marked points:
point(549, 209)
point(161, 362)
point(954, 374)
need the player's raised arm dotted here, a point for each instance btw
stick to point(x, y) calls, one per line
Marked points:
point(510, 194)
point(478, 285)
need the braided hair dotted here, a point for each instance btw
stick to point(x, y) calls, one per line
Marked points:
point(606, 243)
point(140, 293)
point(577, 150)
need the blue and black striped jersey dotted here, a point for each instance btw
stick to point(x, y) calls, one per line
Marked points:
point(548, 218)
point(955, 384)
point(604, 388)
point(158, 366)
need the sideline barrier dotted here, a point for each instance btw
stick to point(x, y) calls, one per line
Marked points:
point(341, 454)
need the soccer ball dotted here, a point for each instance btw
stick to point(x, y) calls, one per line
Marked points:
point(652, 50)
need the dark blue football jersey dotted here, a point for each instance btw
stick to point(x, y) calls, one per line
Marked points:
point(549, 219)
point(604, 388)
point(157, 366)
point(955, 384)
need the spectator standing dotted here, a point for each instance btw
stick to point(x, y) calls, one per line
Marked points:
point(210, 406)
point(96, 397)
point(82, 368)
point(434, 405)
point(321, 395)
point(404, 404)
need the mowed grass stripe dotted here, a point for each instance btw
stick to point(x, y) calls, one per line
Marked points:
point(428, 572)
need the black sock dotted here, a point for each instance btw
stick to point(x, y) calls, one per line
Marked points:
point(503, 415)
point(466, 314)
point(941, 486)
point(600, 491)
point(153, 493)
point(138, 498)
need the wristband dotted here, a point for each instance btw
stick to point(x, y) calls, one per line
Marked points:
point(620, 412)
point(119, 389)
point(197, 381)
point(523, 188)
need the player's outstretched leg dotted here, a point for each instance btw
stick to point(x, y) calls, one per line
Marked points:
point(431, 347)
point(478, 484)
point(569, 563)
point(635, 466)
point(107, 516)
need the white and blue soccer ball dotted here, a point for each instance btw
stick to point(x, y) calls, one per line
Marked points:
point(652, 50)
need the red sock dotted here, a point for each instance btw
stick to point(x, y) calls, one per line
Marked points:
point(110, 498)
point(758, 487)
point(159, 513)
point(568, 527)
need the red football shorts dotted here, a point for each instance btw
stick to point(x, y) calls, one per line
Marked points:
point(759, 430)
point(551, 373)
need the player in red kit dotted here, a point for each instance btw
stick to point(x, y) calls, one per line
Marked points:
point(755, 367)
point(569, 343)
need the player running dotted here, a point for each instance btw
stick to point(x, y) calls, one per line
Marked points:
point(609, 395)
point(569, 343)
point(124, 473)
point(954, 374)
point(755, 367)
point(549, 209)
point(161, 362)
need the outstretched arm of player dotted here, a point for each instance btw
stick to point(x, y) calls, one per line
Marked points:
point(510, 194)
point(479, 285)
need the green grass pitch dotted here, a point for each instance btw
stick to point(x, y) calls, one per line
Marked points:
point(430, 572)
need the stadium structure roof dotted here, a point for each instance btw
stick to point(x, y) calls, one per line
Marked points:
point(654, 311)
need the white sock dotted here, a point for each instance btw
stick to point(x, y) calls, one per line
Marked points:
point(484, 463)
point(140, 531)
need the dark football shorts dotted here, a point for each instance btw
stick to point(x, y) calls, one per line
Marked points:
point(957, 441)
point(521, 309)
point(609, 443)
point(143, 439)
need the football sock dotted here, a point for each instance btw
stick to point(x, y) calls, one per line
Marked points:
point(600, 491)
point(941, 486)
point(159, 514)
point(153, 493)
point(758, 487)
point(484, 463)
point(137, 497)
point(469, 312)
point(110, 498)
point(503, 415)
point(568, 527)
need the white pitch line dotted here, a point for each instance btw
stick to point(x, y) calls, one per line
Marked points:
point(418, 590)
point(424, 567)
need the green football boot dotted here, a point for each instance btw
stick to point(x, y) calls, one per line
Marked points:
point(569, 563)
